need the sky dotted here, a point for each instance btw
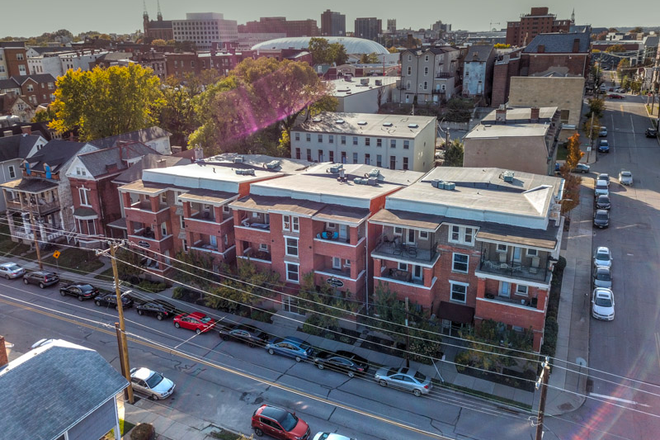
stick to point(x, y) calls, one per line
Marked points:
point(125, 16)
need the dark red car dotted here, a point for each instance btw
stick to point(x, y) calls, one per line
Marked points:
point(279, 423)
point(614, 96)
point(194, 321)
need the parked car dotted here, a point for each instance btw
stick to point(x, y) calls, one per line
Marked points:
point(151, 383)
point(279, 423)
point(603, 202)
point(601, 189)
point(625, 178)
point(248, 334)
point(602, 304)
point(605, 177)
point(614, 96)
point(602, 132)
point(603, 277)
point(11, 270)
point(110, 300)
point(196, 321)
point(342, 362)
point(80, 291)
point(330, 436)
point(42, 278)
point(405, 379)
point(602, 218)
point(604, 146)
point(651, 133)
point(291, 347)
point(158, 308)
point(603, 257)
point(581, 168)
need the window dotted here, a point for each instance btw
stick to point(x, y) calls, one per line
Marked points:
point(522, 290)
point(20, 57)
point(502, 248)
point(295, 224)
point(331, 138)
point(355, 140)
point(308, 137)
point(564, 116)
point(409, 57)
point(336, 263)
point(458, 291)
point(461, 235)
point(12, 172)
point(84, 196)
point(343, 140)
point(426, 58)
point(393, 143)
point(163, 229)
point(423, 235)
point(30, 88)
point(403, 267)
point(343, 157)
point(347, 263)
point(292, 272)
point(367, 142)
point(320, 138)
point(297, 136)
point(409, 71)
point(226, 209)
point(355, 158)
point(532, 253)
point(426, 72)
point(367, 159)
point(291, 246)
point(331, 156)
point(405, 163)
point(398, 230)
point(392, 162)
point(163, 197)
point(379, 142)
point(460, 263)
point(406, 145)
point(379, 160)
point(286, 222)
point(309, 155)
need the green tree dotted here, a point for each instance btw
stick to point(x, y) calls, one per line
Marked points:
point(502, 46)
point(128, 265)
point(636, 30)
point(320, 50)
point(177, 115)
point(323, 305)
point(44, 115)
point(596, 106)
point(338, 54)
point(454, 154)
point(369, 58)
point(392, 49)
point(626, 82)
point(616, 48)
point(106, 102)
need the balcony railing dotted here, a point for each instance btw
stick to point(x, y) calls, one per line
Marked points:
point(255, 224)
point(257, 255)
point(333, 236)
point(395, 250)
point(514, 270)
point(145, 205)
point(40, 207)
point(443, 75)
point(401, 275)
point(524, 302)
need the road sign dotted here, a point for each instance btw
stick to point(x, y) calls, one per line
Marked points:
point(335, 282)
point(144, 244)
point(56, 254)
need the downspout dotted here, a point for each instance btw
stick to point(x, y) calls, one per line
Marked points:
point(366, 267)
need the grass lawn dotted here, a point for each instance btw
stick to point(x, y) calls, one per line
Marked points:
point(78, 260)
point(106, 275)
point(8, 247)
point(562, 153)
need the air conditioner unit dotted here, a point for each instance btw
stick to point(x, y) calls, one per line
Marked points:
point(508, 176)
point(450, 186)
point(239, 159)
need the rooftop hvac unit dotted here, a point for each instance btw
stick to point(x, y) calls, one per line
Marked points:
point(249, 172)
point(387, 124)
point(450, 186)
point(339, 121)
point(274, 164)
point(364, 81)
point(316, 120)
point(360, 181)
point(379, 82)
point(374, 173)
point(373, 181)
point(334, 169)
point(239, 159)
point(508, 176)
point(413, 126)
point(441, 184)
point(362, 123)
point(434, 183)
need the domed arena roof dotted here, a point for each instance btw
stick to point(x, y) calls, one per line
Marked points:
point(352, 45)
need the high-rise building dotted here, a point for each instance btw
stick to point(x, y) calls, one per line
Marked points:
point(333, 24)
point(391, 25)
point(280, 25)
point(538, 21)
point(368, 27)
point(205, 29)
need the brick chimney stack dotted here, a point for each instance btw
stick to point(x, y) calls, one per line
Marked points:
point(500, 115)
point(534, 114)
point(26, 129)
point(4, 358)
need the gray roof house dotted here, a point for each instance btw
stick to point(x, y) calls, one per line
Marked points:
point(60, 390)
point(154, 137)
point(13, 150)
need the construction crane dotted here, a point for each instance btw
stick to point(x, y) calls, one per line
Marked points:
point(490, 25)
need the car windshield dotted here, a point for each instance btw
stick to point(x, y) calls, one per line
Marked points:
point(601, 216)
point(154, 380)
point(205, 320)
point(12, 266)
point(626, 174)
point(603, 275)
point(289, 422)
point(305, 347)
point(602, 257)
point(603, 301)
point(420, 377)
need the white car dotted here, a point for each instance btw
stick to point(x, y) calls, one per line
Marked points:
point(152, 383)
point(602, 132)
point(626, 178)
point(11, 270)
point(601, 188)
point(602, 304)
point(603, 257)
point(330, 436)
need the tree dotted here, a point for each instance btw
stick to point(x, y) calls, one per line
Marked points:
point(571, 197)
point(177, 114)
point(502, 46)
point(159, 42)
point(106, 102)
point(371, 58)
point(44, 115)
point(615, 48)
point(596, 106)
point(592, 127)
point(323, 304)
point(392, 49)
point(338, 54)
point(454, 154)
point(636, 30)
point(626, 82)
point(325, 53)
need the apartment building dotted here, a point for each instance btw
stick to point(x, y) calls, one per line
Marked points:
point(471, 244)
point(429, 74)
point(13, 59)
point(389, 141)
point(206, 30)
point(333, 23)
point(187, 207)
point(538, 21)
point(280, 25)
point(368, 28)
point(316, 222)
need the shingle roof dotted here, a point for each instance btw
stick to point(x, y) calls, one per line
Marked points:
point(54, 386)
point(40, 128)
point(55, 153)
point(8, 84)
point(145, 135)
point(558, 43)
point(7, 102)
point(149, 161)
point(479, 52)
point(16, 147)
point(98, 162)
point(39, 78)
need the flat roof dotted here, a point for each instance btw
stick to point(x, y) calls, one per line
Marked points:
point(517, 124)
point(367, 124)
point(341, 88)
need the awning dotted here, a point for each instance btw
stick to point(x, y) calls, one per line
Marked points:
point(207, 196)
point(84, 213)
point(425, 222)
point(284, 205)
point(455, 312)
point(119, 223)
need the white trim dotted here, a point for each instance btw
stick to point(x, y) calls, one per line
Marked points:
point(286, 246)
point(339, 242)
point(458, 283)
point(319, 272)
point(512, 280)
point(535, 254)
point(506, 248)
point(407, 283)
point(467, 263)
point(286, 270)
point(242, 257)
point(512, 304)
point(517, 292)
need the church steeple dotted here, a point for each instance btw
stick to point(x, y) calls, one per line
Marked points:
point(145, 14)
point(573, 16)
point(159, 16)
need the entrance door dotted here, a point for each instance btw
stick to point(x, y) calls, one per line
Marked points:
point(517, 254)
point(418, 273)
point(505, 289)
point(343, 232)
point(411, 236)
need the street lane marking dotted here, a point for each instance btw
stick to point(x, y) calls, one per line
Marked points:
point(657, 346)
point(618, 399)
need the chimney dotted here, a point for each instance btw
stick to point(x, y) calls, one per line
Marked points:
point(500, 114)
point(541, 48)
point(8, 133)
point(26, 129)
point(4, 358)
point(576, 45)
point(534, 114)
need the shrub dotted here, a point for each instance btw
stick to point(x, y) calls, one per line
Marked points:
point(143, 431)
point(561, 264)
point(178, 292)
point(550, 337)
point(311, 326)
point(263, 315)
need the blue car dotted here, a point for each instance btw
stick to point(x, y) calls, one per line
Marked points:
point(291, 347)
point(604, 146)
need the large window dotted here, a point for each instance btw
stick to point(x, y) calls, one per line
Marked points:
point(461, 235)
point(291, 246)
point(458, 291)
point(12, 172)
point(460, 263)
point(292, 272)
point(84, 197)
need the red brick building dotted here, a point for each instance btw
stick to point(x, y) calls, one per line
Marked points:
point(280, 25)
point(316, 222)
point(471, 244)
point(538, 21)
point(13, 55)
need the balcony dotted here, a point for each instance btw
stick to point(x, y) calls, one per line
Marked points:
point(443, 75)
point(439, 92)
point(530, 303)
point(41, 207)
point(401, 276)
point(395, 250)
point(145, 205)
point(515, 270)
point(255, 224)
point(205, 216)
point(257, 255)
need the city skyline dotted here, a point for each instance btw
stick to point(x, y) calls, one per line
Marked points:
point(125, 16)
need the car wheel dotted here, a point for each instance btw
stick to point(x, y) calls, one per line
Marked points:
point(351, 374)
point(7, 277)
point(251, 344)
point(320, 366)
point(41, 285)
point(62, 293)
point(258, 432)
point(176, 324)
point(98, 303)
point(154, 396)
point(198, 331)
point(80, 298)
point(270, 351)
point(159, 316)
point(140, 312)
point(298, 359)
point(382, 383)
point(224, 337)
point(26, 281)
point(417, 392)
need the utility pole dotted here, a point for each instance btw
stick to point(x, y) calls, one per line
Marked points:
point(543, 383)
point(34, 234)
point(407, 337)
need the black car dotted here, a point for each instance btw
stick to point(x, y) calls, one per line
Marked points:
point(602, 218)
point(651, 133)
point(110, 300)
point(80, 291)
point(41, 278)
point(603, 202)
point(158, 308)
point(343, 362)
point(248, 334)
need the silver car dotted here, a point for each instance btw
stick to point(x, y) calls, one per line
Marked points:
point(151, 383)
point(602, 304)
point(626, 178)
point(603, 277)
point(404, 378)
point(11, 270)
point(330, 436)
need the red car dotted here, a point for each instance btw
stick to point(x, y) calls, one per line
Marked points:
point(614, 96)
point(194, 321)
point(279, 423)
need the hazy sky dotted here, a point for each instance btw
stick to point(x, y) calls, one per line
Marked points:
point(34, 17)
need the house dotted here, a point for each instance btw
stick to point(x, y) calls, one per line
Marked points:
point(478, 72)
point(61, 390)
point(518, 139)
point(316, 222)
point(13, 151)
point(13, 59)
point(35, 89)
point(390, 141)
point(471, 244)
point(551, 90)
point(154, 137)
point(43, 192)
point(13, 105)
point(95, 196)
point(187, 207)
point(363, 95)
point(429, 74)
